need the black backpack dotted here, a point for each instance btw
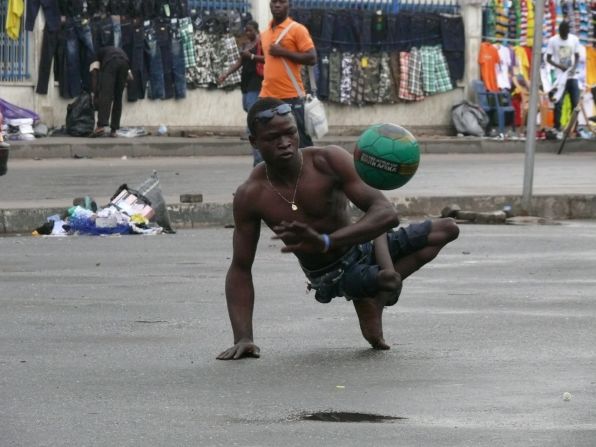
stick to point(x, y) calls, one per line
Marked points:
point(80, 116)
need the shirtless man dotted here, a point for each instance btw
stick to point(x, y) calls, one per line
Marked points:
point(303, 196)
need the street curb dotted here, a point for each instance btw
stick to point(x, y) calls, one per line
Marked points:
point(197, 215)
point(227, 146)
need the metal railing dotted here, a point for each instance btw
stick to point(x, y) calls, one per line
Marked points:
point(14, 54)
point(387, 6)
point(239, 5)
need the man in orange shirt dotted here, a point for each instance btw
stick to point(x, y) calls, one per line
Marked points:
point(295, 48)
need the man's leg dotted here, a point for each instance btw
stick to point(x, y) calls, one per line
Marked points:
point(370, 310)
point(370, 317)
point(558, 107)
point(107, 80)
point(119, 84)
point(442, 231)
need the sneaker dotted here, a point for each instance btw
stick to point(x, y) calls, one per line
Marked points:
point(4, 144)
point(559, 135)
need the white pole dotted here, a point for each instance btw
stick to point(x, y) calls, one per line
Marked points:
point(533, 108)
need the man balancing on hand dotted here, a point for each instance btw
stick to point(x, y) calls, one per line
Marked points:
point(303, 196)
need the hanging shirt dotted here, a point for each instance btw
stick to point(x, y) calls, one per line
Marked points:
point(488, 58)
point(523, 64)
point(591, 66)
point(503, 68)
point(13, 18)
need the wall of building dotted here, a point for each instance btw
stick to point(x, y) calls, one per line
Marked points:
point(218, 109)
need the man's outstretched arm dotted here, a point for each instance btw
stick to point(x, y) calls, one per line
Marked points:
point(239, 285)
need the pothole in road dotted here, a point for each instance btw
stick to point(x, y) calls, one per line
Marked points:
point(344, 416)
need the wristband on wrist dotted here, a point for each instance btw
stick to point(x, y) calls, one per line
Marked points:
point(326, 241)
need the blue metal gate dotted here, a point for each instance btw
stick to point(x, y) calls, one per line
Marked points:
point(388, 6)
point(14, 54)
point(239, 5)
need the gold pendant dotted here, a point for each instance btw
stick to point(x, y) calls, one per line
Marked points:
point(294, 207)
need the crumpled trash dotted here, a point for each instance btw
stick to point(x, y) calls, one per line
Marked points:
point(132, 132)
point(162, 130)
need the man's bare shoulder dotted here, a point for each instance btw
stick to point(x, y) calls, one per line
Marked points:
point(248, 193)
point(329, 159)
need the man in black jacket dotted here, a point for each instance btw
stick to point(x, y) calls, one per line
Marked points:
point(109, 73)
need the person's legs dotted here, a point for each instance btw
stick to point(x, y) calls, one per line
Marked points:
point(105, 96)
point(558, 108)
point(121, 73)
point(442, 231)
point(370, 317)
point(370, 310)
point(248, 99)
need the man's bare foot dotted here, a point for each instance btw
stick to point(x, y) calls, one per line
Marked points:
point(370, 311)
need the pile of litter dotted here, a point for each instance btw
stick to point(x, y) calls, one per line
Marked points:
point(130, 211)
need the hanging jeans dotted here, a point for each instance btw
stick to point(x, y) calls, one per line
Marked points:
point(80, 54)
point(49, 53)
point(154, 61)
point(162, 32)
point(178, 64)
point(136, 34)
point(103, 32)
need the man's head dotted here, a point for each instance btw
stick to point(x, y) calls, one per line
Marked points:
point(272, 126)
point(564, 30)
point(280, 9)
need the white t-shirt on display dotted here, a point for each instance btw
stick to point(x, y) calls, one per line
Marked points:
point(503, 68)
point(563, 51)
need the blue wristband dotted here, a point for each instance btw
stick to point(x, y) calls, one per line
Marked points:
point(327, 242)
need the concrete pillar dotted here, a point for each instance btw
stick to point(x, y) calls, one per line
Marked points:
point(471, 11)
point(261, 13)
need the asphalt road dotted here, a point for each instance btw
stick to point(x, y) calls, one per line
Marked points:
point(55, 182)
point(112, 342)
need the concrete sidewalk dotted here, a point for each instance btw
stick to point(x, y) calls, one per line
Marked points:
point(154, 146)
point(563, 186)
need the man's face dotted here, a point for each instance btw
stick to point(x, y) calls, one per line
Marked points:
point(563, 30)
point(279, 9)
point(277, 139)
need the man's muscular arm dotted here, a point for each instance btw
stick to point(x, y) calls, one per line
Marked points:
point(239, 285)
point(379, 214)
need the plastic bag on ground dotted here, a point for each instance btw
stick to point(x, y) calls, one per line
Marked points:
point(469, 119)
point(80, 116)
point(151, 190)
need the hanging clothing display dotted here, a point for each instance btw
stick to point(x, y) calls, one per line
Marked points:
point(158, 36)
point(15, 11)
point(360, 60)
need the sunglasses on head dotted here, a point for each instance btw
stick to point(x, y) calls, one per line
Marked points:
point(266, 115)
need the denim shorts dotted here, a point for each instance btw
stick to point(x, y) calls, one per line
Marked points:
point(354, 275)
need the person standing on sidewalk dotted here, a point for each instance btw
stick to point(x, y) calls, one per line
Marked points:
point(3, 149)
point(294, 49)
point(109, 73)
point(251, 57)
point(562, 53)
